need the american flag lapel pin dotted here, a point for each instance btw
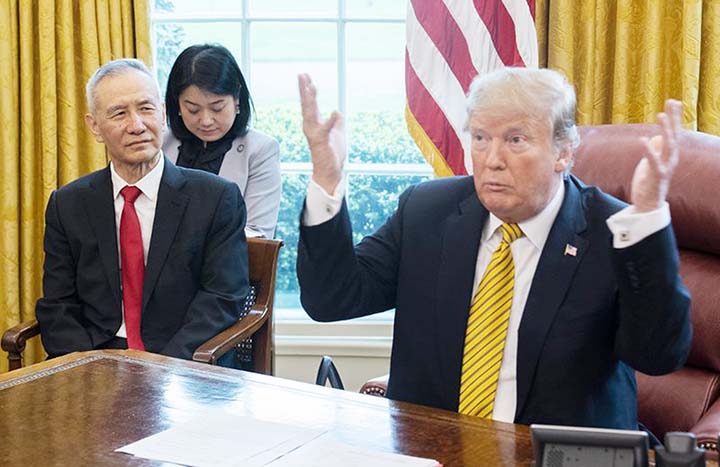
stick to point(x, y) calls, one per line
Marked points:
point(570, 250)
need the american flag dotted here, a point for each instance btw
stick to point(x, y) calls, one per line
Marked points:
point(449, 42)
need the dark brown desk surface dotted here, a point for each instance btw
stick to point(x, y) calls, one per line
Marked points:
point(77, 409)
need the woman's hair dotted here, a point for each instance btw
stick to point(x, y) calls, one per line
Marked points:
point(212, 68)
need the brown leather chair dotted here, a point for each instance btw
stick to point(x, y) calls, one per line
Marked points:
point(687, 399)
point(251, 336)
point(607, 156)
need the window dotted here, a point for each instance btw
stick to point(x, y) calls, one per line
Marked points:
point(354, 50)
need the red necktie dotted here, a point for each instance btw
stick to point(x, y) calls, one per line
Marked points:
point(132, 260)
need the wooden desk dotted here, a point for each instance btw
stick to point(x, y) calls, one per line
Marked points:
point(77, 409)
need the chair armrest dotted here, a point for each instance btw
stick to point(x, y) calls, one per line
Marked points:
point(14, 340)
point(216, 347)
point(376, 386)
point(708, 427)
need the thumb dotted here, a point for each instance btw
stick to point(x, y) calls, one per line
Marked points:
point(335, 121)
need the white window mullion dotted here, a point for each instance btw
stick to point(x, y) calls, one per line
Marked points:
point(245, 60)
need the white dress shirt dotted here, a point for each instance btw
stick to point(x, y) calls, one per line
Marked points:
point(627, 226)
point(145, 205)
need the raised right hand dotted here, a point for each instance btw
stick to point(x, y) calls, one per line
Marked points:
point(325, 139)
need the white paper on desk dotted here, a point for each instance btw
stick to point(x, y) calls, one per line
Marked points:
point(222, 439)
point(322, 452)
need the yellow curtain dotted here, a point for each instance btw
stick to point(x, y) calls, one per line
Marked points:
point(48, 50)
point(625, 57)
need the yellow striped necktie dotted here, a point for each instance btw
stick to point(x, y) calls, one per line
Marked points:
point(487, 328)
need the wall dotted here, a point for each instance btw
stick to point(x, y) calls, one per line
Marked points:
point(360, 349)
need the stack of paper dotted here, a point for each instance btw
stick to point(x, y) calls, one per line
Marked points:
point(226, 440)
point(322, 452)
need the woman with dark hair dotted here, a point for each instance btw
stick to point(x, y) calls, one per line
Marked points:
point(209, 108)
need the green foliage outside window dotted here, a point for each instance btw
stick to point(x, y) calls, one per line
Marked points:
point(168, 43)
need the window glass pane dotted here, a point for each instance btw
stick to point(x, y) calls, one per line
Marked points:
point(294, 41)
point(284, 124)
point(373, 198)
point(194, 6)
point(381, 137)
point(293, 8)
point(294, 188)
point(376, 95)
point(173, 38)
point(376, 9)
point(273, 82)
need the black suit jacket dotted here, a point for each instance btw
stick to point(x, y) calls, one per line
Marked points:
point(588, 320)
point(196, 276)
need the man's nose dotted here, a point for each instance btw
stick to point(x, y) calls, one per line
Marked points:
point(495, 158)
point(136, 124)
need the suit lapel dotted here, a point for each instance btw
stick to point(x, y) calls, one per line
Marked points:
point(460, 243)
point(169, 211)
point(100, 209)
point(234, 162)
point(550, 283)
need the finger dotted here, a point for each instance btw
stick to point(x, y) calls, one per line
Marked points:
point(335, 121)
point(669, 143)
point(308, 99)
point(652, 145)
point(675, 112)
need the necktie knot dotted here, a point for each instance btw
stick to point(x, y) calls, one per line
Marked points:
point(510, 233)
point(130, 193)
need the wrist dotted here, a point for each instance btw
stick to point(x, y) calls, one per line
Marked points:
point(327, 182)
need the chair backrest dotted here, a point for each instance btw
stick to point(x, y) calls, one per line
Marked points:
point(262, 258)
point(327, 371)
point(606, 158)
point(255, 323)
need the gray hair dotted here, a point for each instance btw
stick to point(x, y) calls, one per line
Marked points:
point(540, 94)
point(114, 68)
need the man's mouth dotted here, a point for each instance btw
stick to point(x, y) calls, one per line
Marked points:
point(494, 186)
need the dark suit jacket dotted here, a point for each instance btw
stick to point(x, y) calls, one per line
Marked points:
point(196, 276)
point(589, 318)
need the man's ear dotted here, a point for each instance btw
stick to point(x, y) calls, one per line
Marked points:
point(564, 158)
point(93, 126)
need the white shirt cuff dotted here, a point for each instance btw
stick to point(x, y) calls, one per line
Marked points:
point(320, 206)
point(630, 227)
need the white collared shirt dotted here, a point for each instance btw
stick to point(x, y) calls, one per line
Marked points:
point(627, 226)
point(145, 205)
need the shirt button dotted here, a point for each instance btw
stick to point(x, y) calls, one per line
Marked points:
point(625, 236)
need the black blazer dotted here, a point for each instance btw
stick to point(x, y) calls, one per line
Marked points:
point(196, 276)
point(588, 320)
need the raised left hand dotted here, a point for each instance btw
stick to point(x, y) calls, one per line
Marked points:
point(651, 179)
